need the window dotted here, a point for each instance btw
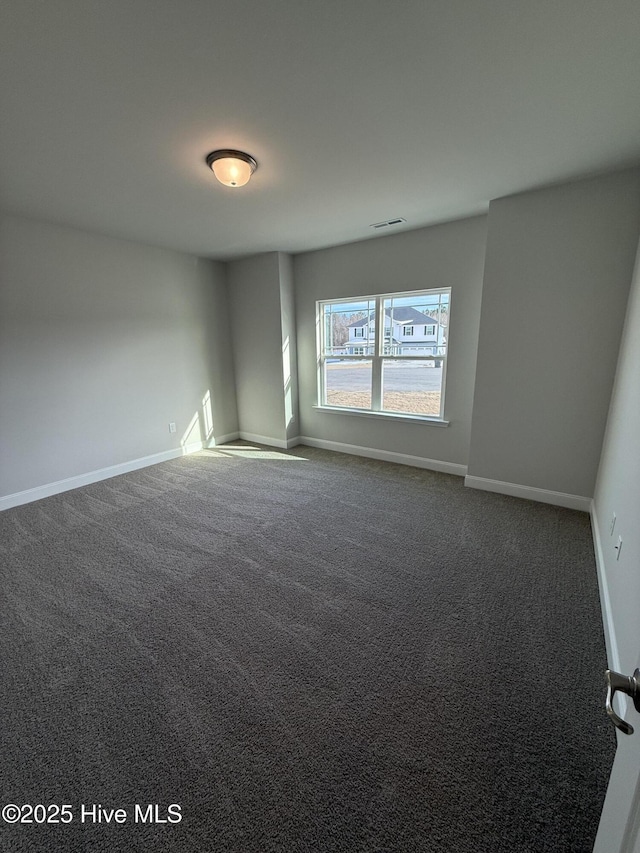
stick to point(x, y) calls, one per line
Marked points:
point(358, 332)
point(384, 375)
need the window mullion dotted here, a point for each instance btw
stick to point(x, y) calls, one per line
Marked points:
point(376, 364)
point(321, 332)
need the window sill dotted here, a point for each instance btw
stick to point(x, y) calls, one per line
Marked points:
point(387, 416)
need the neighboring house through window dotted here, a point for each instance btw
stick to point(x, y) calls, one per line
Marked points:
point(364, 363)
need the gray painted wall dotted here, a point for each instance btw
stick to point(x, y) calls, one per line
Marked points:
point(102, 343)
point(254, 298)
point(618, 487)
point(558, 266)
point(449, 255)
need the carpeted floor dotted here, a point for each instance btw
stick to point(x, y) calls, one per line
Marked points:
point(309, 653)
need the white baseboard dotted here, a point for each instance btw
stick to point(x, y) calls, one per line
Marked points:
point(55, 488)
point(223, 439)
point(186, 449)
point(530, 493)
point(284, 444)
point(386, 455)
point(613, 655)
point(264, 439)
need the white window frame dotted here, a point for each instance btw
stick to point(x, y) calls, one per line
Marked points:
point(378, 356)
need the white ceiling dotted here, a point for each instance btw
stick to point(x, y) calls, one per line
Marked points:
point(356, 110)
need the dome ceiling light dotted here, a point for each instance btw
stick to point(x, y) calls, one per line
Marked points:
point(231, 168)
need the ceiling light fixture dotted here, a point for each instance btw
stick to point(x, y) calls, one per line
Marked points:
point(231, 168)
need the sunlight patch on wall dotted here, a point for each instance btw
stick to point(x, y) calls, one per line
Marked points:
point(286, 373)
point(200, 429)
point(192, 434)
point(208, 416)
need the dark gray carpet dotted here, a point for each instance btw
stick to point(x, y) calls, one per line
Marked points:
point(307, 652)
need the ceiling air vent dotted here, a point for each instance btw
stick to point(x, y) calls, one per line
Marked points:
point(387, 223)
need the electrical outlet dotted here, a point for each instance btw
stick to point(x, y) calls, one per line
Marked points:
point(172, 427)
point(618, 547)
point(612, 526)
